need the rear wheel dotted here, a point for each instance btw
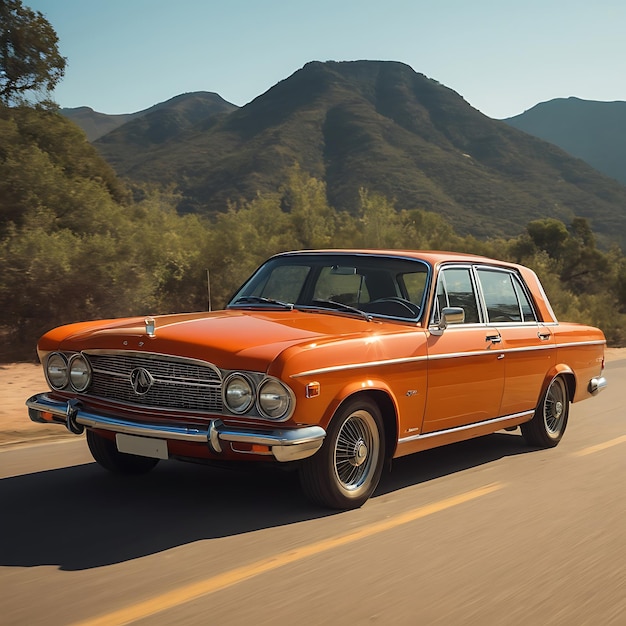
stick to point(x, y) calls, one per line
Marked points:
point(107, 455)
point(345, 471)
point(547, 426)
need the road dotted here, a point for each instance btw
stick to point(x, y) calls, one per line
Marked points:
point(483, 532)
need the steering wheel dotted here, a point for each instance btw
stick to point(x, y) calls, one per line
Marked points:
point(413, 308)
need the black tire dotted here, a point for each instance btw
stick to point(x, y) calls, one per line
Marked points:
point(345, 471)
point(106, 455)
point(548, 424)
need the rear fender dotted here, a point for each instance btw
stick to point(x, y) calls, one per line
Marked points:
point(560, 369)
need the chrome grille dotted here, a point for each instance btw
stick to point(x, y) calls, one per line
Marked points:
point(178, 384)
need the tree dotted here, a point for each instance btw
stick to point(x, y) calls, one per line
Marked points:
point(548, 234)
point(312, 219)
point(29, 56)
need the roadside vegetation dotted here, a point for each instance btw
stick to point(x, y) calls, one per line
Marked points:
point(76, 244)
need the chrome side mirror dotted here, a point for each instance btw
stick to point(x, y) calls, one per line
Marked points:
point(449, 315)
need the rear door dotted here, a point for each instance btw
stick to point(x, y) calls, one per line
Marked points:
point(527, 346)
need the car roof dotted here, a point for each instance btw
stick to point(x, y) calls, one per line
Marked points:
point(433, 257)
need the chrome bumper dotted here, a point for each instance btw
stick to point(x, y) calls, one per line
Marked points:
point(597, 384)
point(285, 445)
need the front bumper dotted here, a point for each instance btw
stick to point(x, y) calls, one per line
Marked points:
point(285, 444)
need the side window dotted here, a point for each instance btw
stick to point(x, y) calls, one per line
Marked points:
point(504, 297)
point(528, 313)
point(455, 288)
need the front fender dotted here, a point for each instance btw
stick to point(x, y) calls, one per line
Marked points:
point(378, 391)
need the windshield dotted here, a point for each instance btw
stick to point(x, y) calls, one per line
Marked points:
point(366, 285)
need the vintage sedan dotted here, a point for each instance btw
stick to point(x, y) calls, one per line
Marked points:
point(331, 362)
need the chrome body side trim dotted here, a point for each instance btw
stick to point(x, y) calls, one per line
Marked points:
point(450, 355)
point(354, 366)
point(574, 344)
point(285, 444)
point(465, 427)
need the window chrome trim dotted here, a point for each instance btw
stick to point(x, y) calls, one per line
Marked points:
point(513, 275)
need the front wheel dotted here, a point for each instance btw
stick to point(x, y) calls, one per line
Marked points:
point(106, 454)
point(345, 471)
point(547, 426)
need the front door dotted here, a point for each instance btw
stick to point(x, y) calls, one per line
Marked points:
point(465, 364)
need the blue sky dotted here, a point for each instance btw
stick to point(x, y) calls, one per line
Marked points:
point(503, 57)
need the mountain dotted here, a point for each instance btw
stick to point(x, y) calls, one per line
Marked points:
point(593, 131)
point(173, 115)
point(378, 125)
point(93, 123)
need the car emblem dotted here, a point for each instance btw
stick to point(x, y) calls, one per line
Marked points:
point(141, 380)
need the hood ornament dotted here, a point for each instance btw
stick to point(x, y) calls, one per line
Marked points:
point(150, 326)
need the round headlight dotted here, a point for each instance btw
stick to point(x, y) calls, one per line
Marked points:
point(80, 372)
point(274, 399)
point(56, 371)
point(238, 393)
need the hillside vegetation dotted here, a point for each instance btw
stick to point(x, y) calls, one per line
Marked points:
point(378, 125)
point(74, 244)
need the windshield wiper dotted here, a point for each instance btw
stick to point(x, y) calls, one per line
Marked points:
point(261, 300)
point(338, 306)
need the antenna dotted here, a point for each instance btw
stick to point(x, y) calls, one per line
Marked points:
point(208, 286)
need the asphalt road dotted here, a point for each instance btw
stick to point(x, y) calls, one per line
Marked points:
point(483, 532)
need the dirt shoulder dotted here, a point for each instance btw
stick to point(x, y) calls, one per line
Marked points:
point(19, 381)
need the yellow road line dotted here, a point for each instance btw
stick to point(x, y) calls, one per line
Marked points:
point(173, 598)
point(601, 446)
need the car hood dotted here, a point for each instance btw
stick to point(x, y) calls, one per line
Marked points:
point(230, 339)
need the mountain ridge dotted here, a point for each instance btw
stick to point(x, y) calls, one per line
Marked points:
point(97, 125)
point(588, 129)
point(373, 124)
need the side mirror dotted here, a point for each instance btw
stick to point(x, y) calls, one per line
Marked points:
point(449, 315)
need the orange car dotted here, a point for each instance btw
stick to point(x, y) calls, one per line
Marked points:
point(330, 361)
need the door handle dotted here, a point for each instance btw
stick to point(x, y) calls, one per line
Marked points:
point(544, 336)
point(497, 338)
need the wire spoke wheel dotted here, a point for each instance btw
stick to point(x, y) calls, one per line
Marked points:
point(554, 407)
point(547, 426)
point(345, 471)
point(356, 450)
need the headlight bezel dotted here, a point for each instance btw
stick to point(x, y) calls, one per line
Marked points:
point(63, 370)
point(231, 380)
point(87, 372)
point(263, 402)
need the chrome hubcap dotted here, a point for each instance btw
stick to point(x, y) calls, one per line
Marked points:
point(554, 407)
point(356, 451)
point(360, 453)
